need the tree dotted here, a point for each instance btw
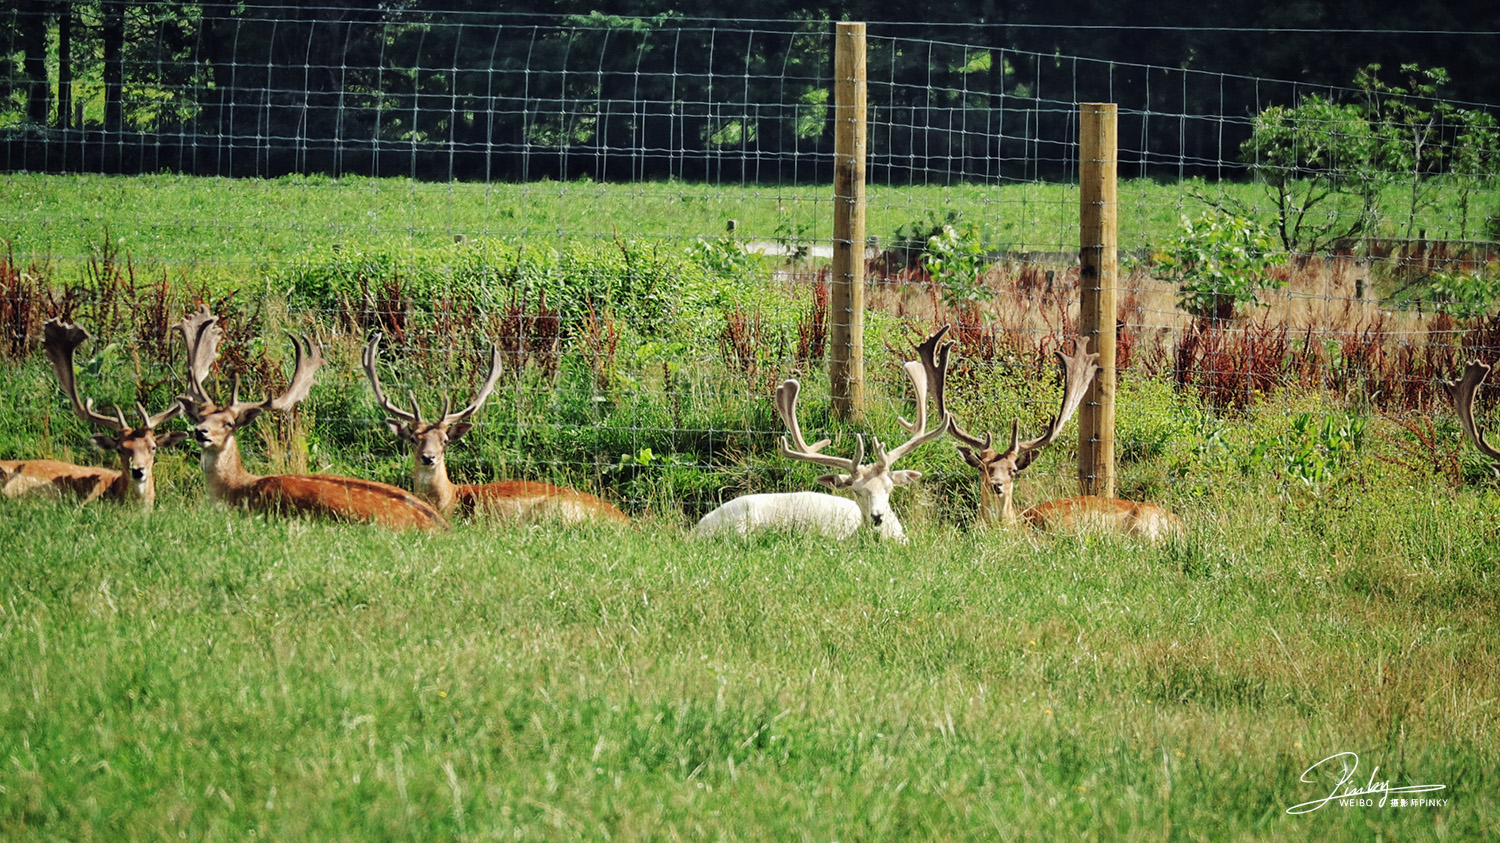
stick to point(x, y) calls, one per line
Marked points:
point(1406, 123)
point(1475, 159)
point(1314, 160)
point(32, 34)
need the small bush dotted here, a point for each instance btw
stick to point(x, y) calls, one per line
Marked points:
point(1220, 262)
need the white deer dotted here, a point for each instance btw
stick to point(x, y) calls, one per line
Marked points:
point(870, 484)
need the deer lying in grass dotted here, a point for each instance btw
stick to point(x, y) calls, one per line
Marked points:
point(508, 499)
point(1463, 394)
point(216, 426)
point(871, 484)
point(136, 445)
point(998, 470)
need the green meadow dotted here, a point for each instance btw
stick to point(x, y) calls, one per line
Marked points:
point(1330, 627)
point(207, 674)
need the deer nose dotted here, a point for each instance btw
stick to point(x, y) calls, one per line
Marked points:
point(201, 436)
point(137, 473)
point(876, 518)
point(428, 459)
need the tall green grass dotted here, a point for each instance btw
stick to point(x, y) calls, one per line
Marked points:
point(207, 674)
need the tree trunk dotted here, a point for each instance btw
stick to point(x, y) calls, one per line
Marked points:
point(64, 64)
point(33, 42)
point(113, 36)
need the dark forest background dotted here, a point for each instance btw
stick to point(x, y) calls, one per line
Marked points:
point(484, 90)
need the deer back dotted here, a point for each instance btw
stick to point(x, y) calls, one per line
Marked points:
point(339, 498)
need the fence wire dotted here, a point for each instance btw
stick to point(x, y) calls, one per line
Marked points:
point(638, 214)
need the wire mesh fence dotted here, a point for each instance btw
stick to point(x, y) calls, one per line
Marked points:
point(637, 213)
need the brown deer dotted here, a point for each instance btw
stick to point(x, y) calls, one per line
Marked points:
point(506, 499)
point(998, 470)
point(215, 427)
point(136, 446)
point(871, 484)
point(1463, 394)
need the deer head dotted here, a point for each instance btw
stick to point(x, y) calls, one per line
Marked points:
point(1463, 394)
point(871, 484)
point(135, 444)
point(998, 469)
point(429, 439)
point(215, 424)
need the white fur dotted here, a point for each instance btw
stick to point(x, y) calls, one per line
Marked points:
point(813, 512)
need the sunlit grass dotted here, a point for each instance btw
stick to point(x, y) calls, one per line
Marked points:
point(206, 673)
point(235, 230)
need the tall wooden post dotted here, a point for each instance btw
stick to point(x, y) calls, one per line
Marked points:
point(846, 358)
point(1098, 257)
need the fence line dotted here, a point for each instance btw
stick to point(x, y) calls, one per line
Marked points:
point(604, 164)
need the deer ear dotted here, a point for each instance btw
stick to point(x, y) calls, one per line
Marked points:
point(836, 481)
point(189, 407)
point(904, 476)
point(104, 442)
point(1025, 459)
point(167, 440)
point(246, 416)
point(970, 457)
point(457, 431)
point(398, 429)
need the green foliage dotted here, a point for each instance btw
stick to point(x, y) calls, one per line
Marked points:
point(1462, 294)
point(956, 259)
point(1334, 170)
point(1311, 452)
point(912, 237)
point(1312, 158)
point(1405, 122)
point(1220, 263)
point(648, 283)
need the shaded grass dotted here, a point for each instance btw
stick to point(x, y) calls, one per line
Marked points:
point(217, 675)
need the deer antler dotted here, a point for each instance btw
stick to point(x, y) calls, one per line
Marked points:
point(309, 359)
point(202, 333)
point(1078, 372)
point(370, 360)
point(59, 340)
point(481, 397)
point(786, 407)
point(930, 370)
point(1463, 394)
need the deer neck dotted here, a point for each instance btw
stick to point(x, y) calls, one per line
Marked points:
point(225, 474)
point(995, 507)
point(432, 483)
point(124, 489)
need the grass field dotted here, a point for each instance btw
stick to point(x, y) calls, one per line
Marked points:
point(233, 229)
point(199, 673)
point(213, 675)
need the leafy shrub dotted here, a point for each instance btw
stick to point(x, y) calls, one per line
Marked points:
point(956, 258)
point(1220, 262)
point(1310, 157)
point(911, 238)
point(651, 284)
point(1460, 294)
point(1313, 453)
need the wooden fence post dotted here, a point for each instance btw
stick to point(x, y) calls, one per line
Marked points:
point(1098, 257)
point(846, 359)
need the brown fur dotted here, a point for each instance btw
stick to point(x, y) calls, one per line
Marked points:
point(338, 498)
point(20, 478)
point(525, 499)
point(1136, 518)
